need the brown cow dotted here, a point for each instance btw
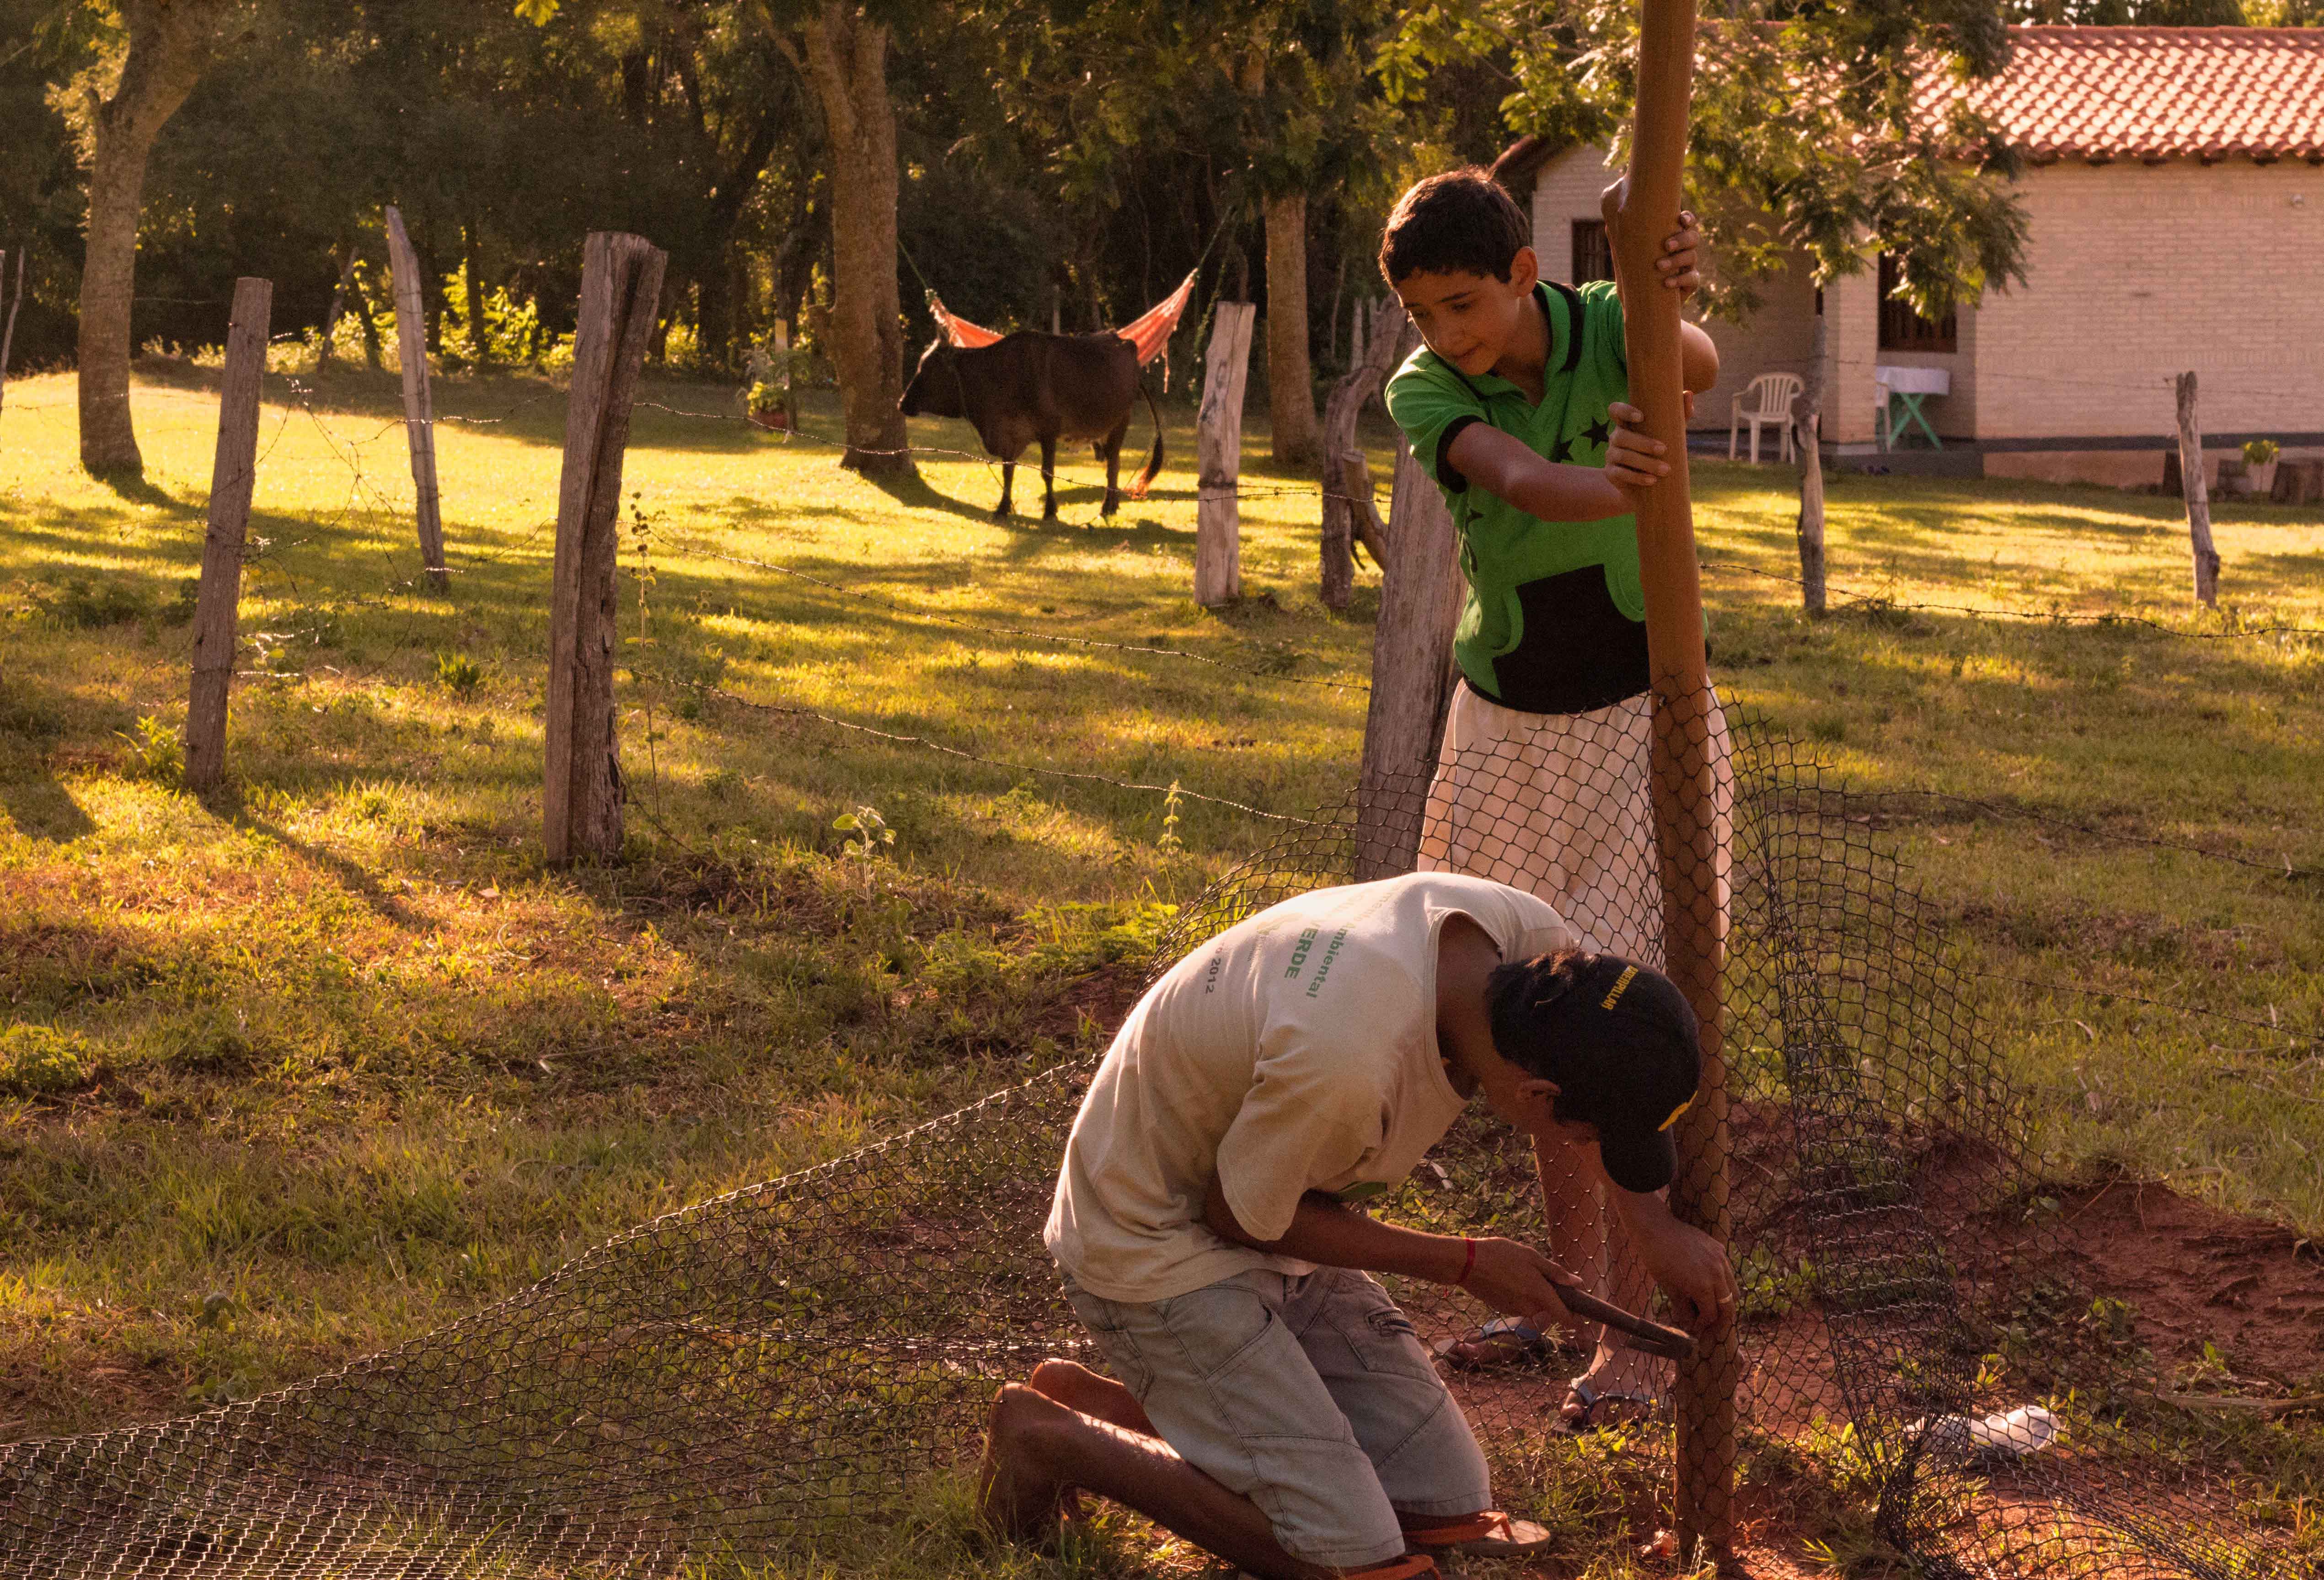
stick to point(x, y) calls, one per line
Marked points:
point(1032, 386)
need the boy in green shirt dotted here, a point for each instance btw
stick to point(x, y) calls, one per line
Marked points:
point(1517, 405)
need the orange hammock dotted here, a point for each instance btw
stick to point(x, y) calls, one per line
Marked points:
point(1150, 334)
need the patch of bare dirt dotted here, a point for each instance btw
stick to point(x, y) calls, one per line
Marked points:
point(2193, 1273)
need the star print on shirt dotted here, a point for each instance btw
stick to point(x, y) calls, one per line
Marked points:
point(1588, 439)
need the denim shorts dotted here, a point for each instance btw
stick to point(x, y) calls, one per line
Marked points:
point(1312, 1397)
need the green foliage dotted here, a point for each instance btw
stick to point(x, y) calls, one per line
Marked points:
point(157, 751)
point(869, 836)
point(1848, 167)
point(87, 602)
point(458, 673)
point(43, 1061)
point(498, 328)
point(2260, 452)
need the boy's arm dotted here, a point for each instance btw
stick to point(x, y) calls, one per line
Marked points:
point(1504, 466)
point(1506, 1275)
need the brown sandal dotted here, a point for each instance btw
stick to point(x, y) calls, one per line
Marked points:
point(1490, 1534)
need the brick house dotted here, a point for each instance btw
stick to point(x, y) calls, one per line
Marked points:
point(2174, 194)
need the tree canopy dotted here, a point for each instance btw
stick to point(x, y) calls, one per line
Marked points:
point(1067, 162)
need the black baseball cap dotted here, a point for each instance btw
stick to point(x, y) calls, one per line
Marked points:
point(1621, 1042)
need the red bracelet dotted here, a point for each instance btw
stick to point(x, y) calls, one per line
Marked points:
point(1468, 1265)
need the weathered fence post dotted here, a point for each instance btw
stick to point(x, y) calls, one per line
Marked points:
point(1218, 517)
point(232, 476)
point(581, 789)
point(1639, 212)
point(1807, 443)
point(2196, 490)
point(419, 413)
point(1412, 671)
point(1337, 574)
point(8, 333)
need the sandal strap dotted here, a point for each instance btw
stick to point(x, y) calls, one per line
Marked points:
point(1489, 1524)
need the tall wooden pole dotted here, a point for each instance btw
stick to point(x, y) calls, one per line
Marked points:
point(419, 409)
point(1640, 212)
point(231, 479)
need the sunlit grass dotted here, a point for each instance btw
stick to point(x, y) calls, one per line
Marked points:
point(359, 1062)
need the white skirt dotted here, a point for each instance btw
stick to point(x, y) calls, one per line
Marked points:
point(1562, 806)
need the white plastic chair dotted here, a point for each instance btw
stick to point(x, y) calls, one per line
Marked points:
point(1766, 403)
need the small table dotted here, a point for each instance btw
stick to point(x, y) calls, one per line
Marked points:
point(1904, 389)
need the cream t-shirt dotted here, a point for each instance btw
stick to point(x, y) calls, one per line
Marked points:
point(1296, 1051)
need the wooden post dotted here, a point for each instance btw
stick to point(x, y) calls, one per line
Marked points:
point(581, 789)
point(1807, 444)
point(8, 333)
point(1337, 574)
point(1412, 672)
point(2195, 489)
point(232, 475)
point(1218, 518)
point(1356, 480)
point(419, 413)
point(1640, 211)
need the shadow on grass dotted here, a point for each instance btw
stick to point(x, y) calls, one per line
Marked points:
point(132, 488)
point(226, 802)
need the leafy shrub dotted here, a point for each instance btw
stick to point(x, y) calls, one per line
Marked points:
point(157, 751)
point(87, 602)
point(41, 1061)
point(183, 601)
point(458, 673)
point(2260, 452)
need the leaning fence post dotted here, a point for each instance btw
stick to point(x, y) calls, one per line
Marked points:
point(232, 475)
point(419, 413)
point(2195, 489)
point(581, 789)
point(1218, 519)
point(1412, 672)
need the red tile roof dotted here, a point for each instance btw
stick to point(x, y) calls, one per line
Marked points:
point(2155, 92)
point(2105, 93)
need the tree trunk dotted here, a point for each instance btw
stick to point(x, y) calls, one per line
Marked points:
point(846, 56)
point(472, 287)
point(2195, 487)
point(370, 323)
point(1290, 384)
point(1340, 524)
point(169, 47)
point(339, 303)
point(1807, 444)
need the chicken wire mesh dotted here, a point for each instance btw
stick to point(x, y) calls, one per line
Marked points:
point(736, 1381)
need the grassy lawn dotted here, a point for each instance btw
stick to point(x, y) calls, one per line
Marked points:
point(309, 1068)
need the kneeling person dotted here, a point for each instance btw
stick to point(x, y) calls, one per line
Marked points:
point(1268, 1401)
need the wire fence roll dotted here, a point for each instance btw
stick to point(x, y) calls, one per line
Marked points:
point(740, 1380)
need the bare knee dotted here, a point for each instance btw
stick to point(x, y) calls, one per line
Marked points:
point(1064, 1380)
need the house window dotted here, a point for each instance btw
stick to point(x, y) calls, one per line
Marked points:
point(1593, 254)
point(1902, 328)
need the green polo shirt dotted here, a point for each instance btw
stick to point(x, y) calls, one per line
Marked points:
point(1553, 623)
